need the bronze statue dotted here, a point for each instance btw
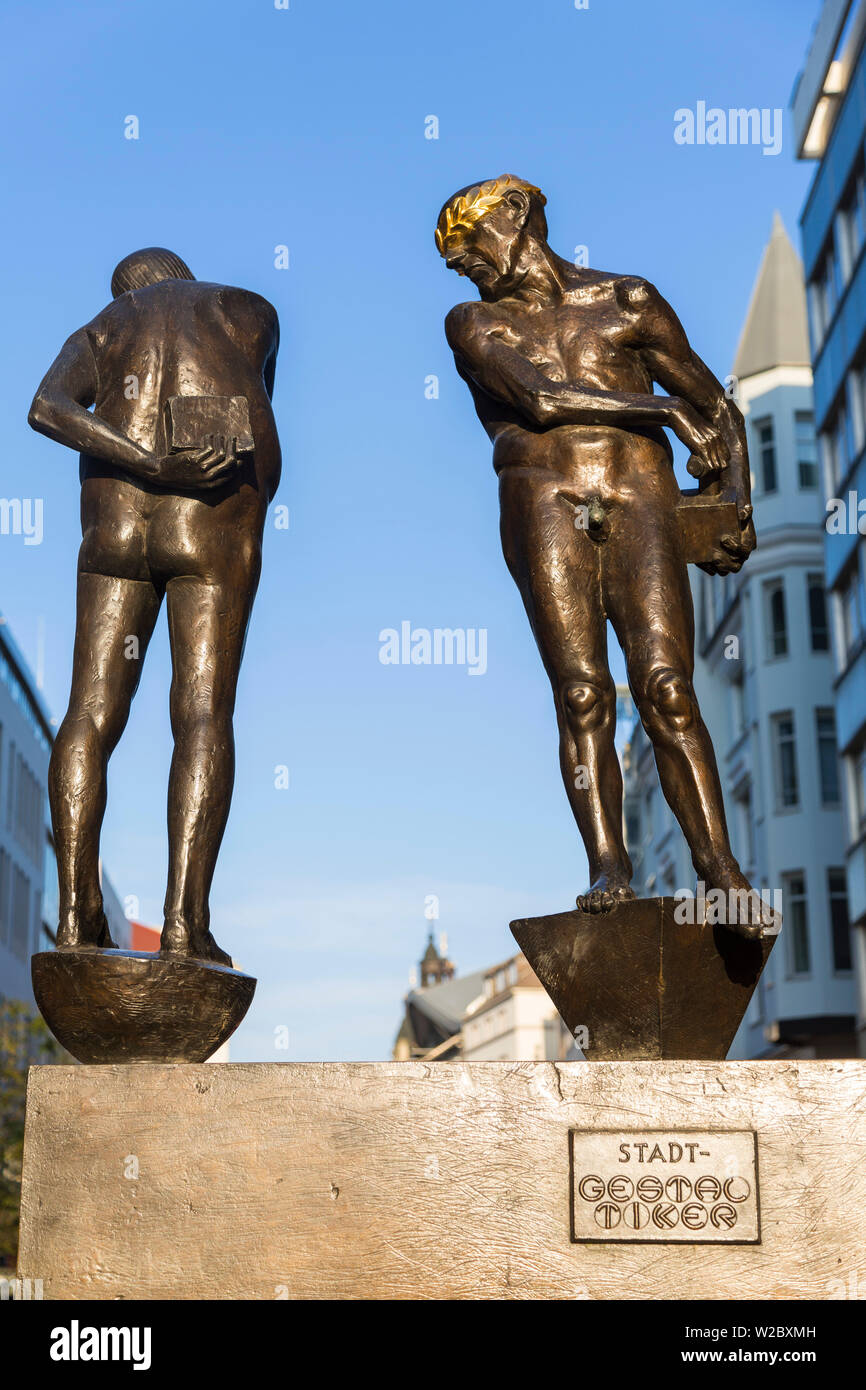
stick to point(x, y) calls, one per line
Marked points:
point(561, 362)
point(179, 460)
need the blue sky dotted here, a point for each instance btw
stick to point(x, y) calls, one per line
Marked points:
point(305, 127)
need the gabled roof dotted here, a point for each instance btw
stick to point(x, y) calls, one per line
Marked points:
point(775, 333)
point(446, 1003)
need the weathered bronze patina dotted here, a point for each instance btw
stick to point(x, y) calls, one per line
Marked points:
point(138, 1006)
point(660, 988)
point(561, 363)
point(179, 460)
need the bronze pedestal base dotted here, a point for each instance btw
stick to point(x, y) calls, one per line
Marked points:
point(641, 985)
point(134, 1006)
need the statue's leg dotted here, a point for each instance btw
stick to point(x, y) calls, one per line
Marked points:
point(556, 568)
point(113, 627)
point(649, 601)
point(207, 623)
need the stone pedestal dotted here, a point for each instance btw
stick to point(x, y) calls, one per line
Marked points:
point(606, 1180)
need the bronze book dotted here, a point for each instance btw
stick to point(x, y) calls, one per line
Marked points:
point(190, 419)
point(704, 519)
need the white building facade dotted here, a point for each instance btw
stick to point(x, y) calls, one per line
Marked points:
point(514, 1019)
point(764, 679)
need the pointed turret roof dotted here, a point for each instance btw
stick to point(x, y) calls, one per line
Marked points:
point(775, 333)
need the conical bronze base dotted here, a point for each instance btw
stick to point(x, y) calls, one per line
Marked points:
point(635, 985)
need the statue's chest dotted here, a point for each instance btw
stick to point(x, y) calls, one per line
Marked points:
point(570, 344)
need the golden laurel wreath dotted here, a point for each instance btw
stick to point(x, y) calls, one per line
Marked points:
point(466, 210)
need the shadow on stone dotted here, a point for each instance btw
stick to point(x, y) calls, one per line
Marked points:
point(642, 985)
point(134, 1006)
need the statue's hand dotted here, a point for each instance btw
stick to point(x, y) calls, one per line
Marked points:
point(709, 452)
point(195, 469)
point(733, 551)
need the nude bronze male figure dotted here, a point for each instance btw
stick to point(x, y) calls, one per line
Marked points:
point(160, 519)
point(561, 362)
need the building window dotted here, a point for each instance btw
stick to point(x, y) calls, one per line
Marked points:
point(787, 782)
point(745, 828)
point(19, 937)
point(795, 913)
point(777, 624)
point(25, 807)
point(720, 598)
point(738, 708)
point(839, 449)
point(828, 763)
point(840, 926)
point(852, 221)
point(5, 909)
point(858, 764)
point(852, 614)
point(766, 453)
point(50, 887)
point(10, 789)
point(824, 293)
point(23, 700)
point(807, 448)
point(819, 628)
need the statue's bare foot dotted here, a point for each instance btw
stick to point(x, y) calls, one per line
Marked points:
point(178, 940)
point(207, 949)
point(105, 941)
point(606, 891)
point(745, 913)
point(82, 931)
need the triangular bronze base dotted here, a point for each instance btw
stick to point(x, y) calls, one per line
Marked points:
point(641, 985)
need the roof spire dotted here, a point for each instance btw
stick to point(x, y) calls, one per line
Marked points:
point(775, 332)
point(434, 967)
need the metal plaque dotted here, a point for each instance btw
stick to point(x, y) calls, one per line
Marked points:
point(681, 1186)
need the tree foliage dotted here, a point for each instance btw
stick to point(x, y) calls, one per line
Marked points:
point(24, 1041)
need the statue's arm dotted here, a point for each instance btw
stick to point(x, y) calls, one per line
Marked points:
point(60, 410)
point(270, 367)
point(677, 367)
point(506, 375)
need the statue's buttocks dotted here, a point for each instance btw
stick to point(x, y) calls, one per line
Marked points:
point(167, 517)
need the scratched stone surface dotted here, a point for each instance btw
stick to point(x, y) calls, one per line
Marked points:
point(414, 1181)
